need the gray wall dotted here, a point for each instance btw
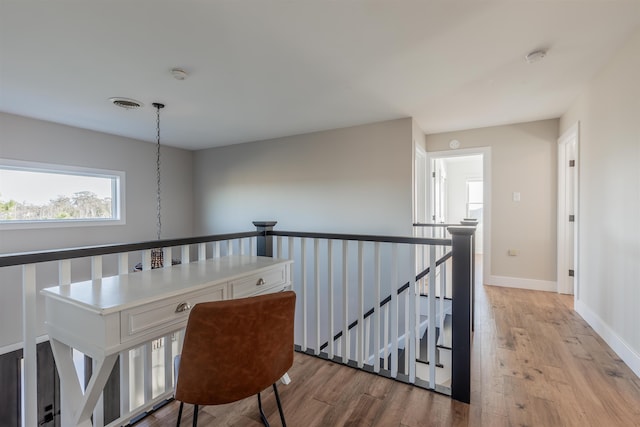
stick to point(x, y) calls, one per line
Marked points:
point(351, 180)
point(523, 159)
point(608, 113)
point(35, 140)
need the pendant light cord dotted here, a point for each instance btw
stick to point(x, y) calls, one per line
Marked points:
point(158, 205)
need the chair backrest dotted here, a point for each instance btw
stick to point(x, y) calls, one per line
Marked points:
point(236, 348)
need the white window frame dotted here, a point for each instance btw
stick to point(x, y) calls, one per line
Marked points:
point(118, 195)
point(467, 182)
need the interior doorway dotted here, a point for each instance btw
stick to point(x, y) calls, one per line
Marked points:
point(460, 187)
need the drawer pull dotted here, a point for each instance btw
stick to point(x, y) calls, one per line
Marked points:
point(261, 282)
point(183, 306)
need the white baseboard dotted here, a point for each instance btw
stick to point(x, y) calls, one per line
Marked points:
point(522, 283)
point(622, 349)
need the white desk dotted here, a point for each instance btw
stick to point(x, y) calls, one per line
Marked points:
point(103, 317)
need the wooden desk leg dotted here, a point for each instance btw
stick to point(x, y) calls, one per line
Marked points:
point(76, 406)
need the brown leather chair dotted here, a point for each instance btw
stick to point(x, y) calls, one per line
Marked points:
point(234, 349)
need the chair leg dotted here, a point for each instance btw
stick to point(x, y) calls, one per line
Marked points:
point(262, 416)
point(180, 414)
point(195, 415)
point(275, 390)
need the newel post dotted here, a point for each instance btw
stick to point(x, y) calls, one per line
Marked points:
point(461, 302)
point(474, 223)
point(265, 240)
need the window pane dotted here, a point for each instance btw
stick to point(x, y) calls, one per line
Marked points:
point(474, 210)
point(30, 194)
point(474, 189)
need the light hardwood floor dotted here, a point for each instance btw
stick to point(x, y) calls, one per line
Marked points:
point(535, 362)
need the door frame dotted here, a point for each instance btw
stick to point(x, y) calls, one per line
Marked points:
point(485, 152)
point(420, 204)
point(568, 149)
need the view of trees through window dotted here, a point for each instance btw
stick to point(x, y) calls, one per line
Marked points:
point(81, 205)
point(34, 195)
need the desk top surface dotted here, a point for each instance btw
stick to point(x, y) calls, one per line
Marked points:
point(117, 293)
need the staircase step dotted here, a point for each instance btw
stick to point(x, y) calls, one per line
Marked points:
point(446, 298)
point(446, 333)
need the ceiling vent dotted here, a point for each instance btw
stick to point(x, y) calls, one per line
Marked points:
point(126, 103)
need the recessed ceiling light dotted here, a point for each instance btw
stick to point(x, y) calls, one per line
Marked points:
point(126, 103)
point(535, 55)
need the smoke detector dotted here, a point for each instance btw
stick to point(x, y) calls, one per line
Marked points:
point(178, 73)
point(536, 55)
point(126, 103)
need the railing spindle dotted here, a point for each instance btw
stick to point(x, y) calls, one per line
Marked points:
point(185, 256)
point(147, 373)
point(316, 271)
point(123, 359)
point(376, 313)
point(345, 302)
point(123, 263)
point(278, 246)
point(443, 284)
point(393, 307)
point(431, 331)
point(385, 361)
point(168, 362)
point(96, 267)
point(216, 252)
point(407, 330)
point(29, 316)
point(360, 336)
point(64, 272)
point(167, 255)
point(98, 412)
point(146, 259)
point(330, 302)
point(414, 315)
point(303, 296)
point(367, 339)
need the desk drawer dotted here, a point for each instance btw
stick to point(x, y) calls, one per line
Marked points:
point(164, 316)
point(259, 283)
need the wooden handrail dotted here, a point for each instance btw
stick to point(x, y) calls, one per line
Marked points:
point(22, 258)
point(363, 238)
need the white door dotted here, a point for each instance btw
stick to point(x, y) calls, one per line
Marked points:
point(567, 211)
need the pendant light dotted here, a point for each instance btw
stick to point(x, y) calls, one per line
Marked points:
point(157, 256)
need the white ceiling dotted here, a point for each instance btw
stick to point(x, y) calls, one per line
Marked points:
point(260, 69)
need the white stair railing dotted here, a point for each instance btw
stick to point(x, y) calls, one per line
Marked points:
point(340, 284)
